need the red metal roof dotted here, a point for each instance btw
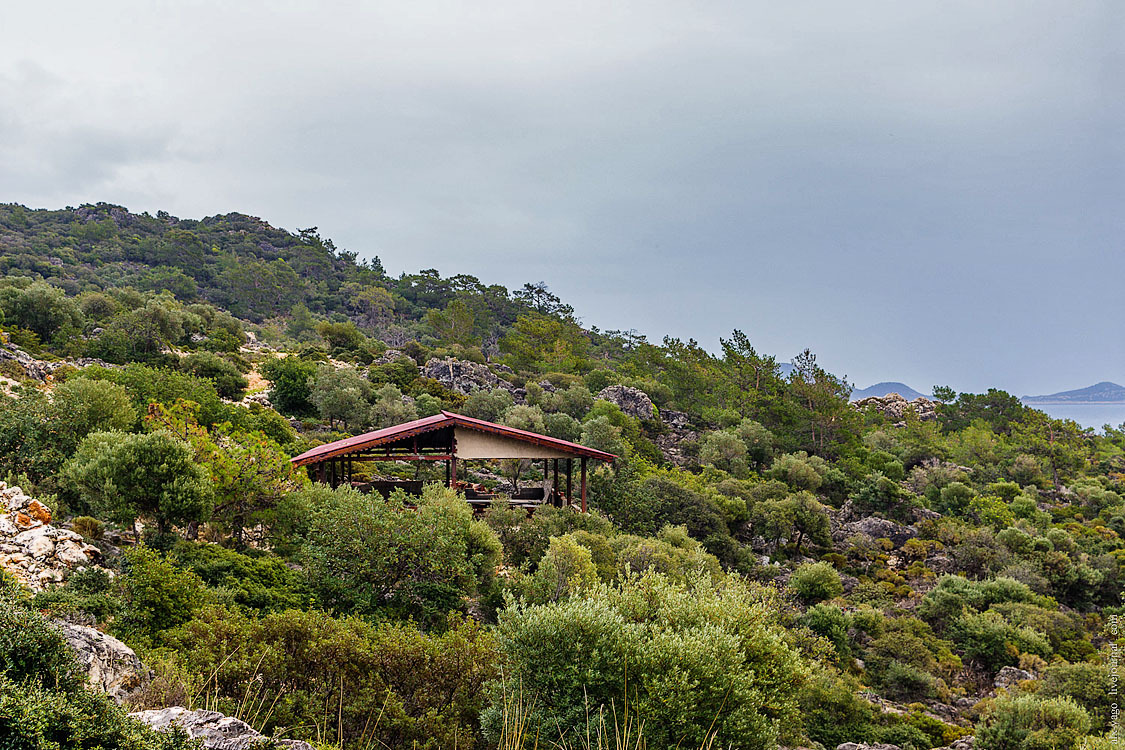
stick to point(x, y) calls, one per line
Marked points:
point(437, 422)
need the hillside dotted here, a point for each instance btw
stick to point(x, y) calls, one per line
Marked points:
point(882, 389)
point(765, 563)
point(1099, 393)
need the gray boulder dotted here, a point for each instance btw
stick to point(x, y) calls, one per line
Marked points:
point(865, 746)
point(462, 376)
point(1009, 677)
point(633, 401)
point(111, 666)
point(218, 732)
point(877, 528)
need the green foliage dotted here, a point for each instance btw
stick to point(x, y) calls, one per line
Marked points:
point(147, 385)
point(693, 658)
point(155, 594)
point(120, 477)
point(1028, 722)
point(258, 582)
point(815, 582)
point(30, 649)
point(229, 382)
point(39, 307)
point(367, 555)
point(290, 389)
point(340, 680)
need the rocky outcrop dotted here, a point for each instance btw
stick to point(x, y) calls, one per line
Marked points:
point(111, 666)
point(37, 369)
point(1009, 677)
point(32, 367)
point(894, 407)
point(31, 549)
point(633, 401)
point(679, 431)
point(217, 732)
point(463, 376)
point(865, 746)
point(876, 528)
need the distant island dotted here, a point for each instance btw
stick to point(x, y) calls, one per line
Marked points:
point(1104, 392)
point(882, 389)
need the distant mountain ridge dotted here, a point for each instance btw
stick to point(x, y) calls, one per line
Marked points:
point(1104, 392)
point(882, 389)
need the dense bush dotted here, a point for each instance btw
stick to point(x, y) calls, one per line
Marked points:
point(367, 555)
point(695, 660)
point(815, 582)
point(1028, 722)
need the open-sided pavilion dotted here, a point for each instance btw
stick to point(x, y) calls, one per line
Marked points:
point(451, 438)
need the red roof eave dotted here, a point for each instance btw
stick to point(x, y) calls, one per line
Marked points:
point(436, 422)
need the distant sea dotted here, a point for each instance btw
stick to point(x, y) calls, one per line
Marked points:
point(1087, 415)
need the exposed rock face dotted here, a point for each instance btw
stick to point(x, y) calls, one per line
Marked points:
point(865, 746)
point(462, 376)
point(1009, 677)
point(39, 370)
point(32, 550)
point(894, 406)
point(111, 666)
point(32, 367)
point(876, 528)
point(633, 401)
point(680, 431)
point(218, 732)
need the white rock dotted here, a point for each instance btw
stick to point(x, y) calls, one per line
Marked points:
point(70, 554)
point(217, 731)
point(111, 666)
point(41, 547)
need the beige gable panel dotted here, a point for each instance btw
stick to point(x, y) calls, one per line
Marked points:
point(475, 444)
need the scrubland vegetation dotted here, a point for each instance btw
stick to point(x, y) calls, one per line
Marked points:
point(764, 565)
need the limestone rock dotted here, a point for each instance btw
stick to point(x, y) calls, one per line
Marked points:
point(633, 401)
point(1009, 677)
point(865, 746)
point(894, 407)
point(680, 431)
point(111, 666)
point(35, 552)
point(876, 528)
point(463, 376)
point(218, 732)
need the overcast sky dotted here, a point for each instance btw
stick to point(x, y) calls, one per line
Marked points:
point(930, 192)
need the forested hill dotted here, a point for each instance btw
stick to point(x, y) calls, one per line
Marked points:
point(764, 563)
point(236, 261)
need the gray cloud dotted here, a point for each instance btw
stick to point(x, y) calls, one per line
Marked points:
point(927, 192)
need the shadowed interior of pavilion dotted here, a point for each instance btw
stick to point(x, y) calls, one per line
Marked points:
point(454, 439)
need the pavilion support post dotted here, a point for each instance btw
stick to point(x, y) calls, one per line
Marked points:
point(555, 485)
point(569, 479)
point(452, 471)
point(583, 490)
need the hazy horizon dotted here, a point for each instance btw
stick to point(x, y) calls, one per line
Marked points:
point(927, 193)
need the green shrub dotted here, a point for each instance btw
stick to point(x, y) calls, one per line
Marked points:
point(313, 674)
point(816, 582)
point(1028, 722)
point(31, 649)
point(89, 527)
point(86, 592)
point(833, 713)
point(34, 716)
point(155, 594)
point(262, 583)
point(229, 382)
point(367, 555)
point(695, 659)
